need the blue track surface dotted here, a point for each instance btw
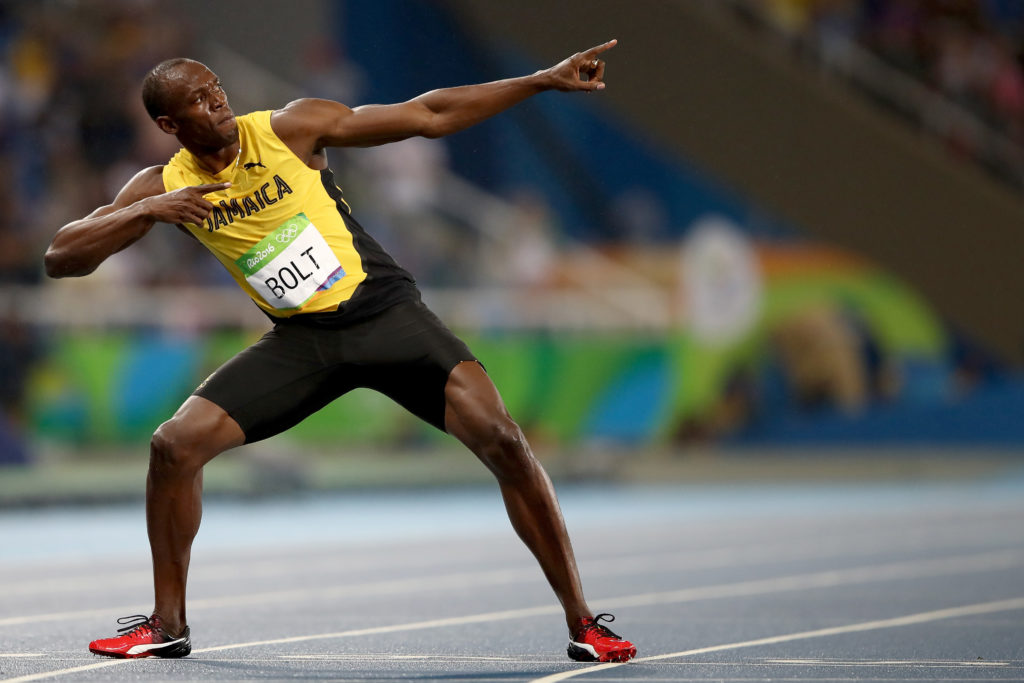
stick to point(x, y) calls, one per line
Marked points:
point(876, 582)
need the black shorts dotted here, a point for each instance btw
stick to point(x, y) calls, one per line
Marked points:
point(404, 352)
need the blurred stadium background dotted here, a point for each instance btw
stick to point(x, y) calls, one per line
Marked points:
point(787, 228)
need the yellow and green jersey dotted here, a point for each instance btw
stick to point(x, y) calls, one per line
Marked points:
point(287, 236)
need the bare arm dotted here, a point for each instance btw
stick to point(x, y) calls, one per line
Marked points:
point(309, 125)
point(81, 246)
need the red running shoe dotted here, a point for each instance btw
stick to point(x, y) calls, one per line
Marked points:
point(143, 637)
point(593, 642)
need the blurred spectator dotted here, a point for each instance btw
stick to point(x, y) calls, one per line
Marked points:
point(69, 122)
point(69, 128)
point(639, 216)
point(19, 350)
point(404, 188)
point(894, 29)
point(327, 74)
point(822, 361)
point(969, 51)
point(530, 255)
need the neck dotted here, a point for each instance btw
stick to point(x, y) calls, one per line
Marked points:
point(213, 161)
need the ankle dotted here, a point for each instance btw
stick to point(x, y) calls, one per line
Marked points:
point(576, 620)
point(174, 629)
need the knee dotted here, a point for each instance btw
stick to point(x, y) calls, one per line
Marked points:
point(505, 449)
point(175, 450)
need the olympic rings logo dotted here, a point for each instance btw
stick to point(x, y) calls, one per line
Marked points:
point(288, 233)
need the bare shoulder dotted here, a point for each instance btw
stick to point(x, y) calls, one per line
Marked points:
point(309, 116)
point(304, 125)
point(306, 108)
point(146, 183)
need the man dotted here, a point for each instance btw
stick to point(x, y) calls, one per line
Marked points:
point(256, 191)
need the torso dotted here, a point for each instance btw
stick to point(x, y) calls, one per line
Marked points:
point(284, 232)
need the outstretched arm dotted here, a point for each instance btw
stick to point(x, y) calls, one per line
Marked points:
point(81, 246)
point(310, 125)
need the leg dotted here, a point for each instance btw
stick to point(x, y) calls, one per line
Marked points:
point(262, 391)
point(198, 432)
point(476, 415)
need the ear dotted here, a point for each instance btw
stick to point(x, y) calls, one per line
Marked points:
point(167, 125)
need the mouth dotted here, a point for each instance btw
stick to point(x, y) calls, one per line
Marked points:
point(227, 121)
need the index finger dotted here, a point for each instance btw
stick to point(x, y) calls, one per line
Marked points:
point(598, 49)
point(211, 187)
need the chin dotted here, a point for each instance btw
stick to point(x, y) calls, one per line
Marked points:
point(229, 137)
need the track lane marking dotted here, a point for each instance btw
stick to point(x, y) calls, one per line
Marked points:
point(859, 544)
point(906, 620)
point(924, 663)
point(394, 628)
point(901, 570)
point(985, 562)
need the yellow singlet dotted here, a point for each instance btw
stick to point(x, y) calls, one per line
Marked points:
point(283, 231)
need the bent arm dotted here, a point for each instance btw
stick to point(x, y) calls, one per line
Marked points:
point(81, 246)
point(310, 125)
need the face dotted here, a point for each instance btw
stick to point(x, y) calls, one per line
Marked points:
point(199, 113)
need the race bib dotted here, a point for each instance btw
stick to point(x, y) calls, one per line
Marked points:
point(291, 264)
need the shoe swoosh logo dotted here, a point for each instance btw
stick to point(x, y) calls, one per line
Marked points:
point(151, 646)
point(585, 646)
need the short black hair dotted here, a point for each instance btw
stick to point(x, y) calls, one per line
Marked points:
point(154, 92)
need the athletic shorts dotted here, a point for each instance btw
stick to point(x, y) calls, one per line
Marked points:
point(404, 352)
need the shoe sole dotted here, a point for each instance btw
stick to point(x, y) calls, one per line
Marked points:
point(175, 650)
point(580, 654)
point(170, 653)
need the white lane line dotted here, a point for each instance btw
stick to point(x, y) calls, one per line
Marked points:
point(19, 654)
point(418, 625)
point(900, 570)
point(907, 620)
point(910, 569)
point(389, 657)
point(67, 672)
point(860, 544)
point(455, 581)
point(886, 572)
point(918, 618)
point(217, 571)
point(504, 615)
point(917, 663)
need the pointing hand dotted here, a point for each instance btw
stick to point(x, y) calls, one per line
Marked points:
point(583, 71)
point(186, 205)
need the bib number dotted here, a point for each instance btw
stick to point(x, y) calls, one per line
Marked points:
point(290, 264)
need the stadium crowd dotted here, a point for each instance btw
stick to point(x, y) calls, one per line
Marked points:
point(67, 135)
point(71, 126)
point(970, 52)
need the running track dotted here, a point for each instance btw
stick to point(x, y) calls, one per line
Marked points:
point(893, 582)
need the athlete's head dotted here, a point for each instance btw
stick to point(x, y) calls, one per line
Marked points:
point(186, 100)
